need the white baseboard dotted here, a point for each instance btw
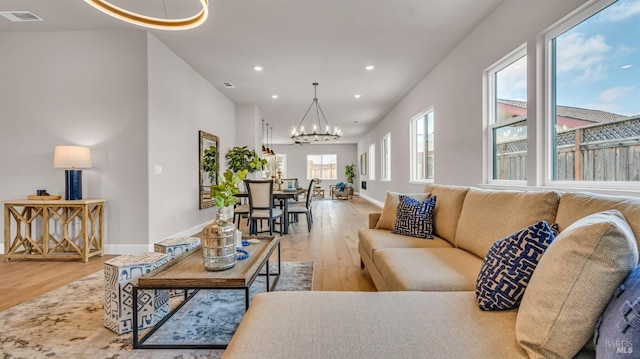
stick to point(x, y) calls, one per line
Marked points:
point(125, 248)
point(376, 202)
point(137, 248)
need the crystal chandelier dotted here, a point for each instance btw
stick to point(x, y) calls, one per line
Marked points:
point(316, 134)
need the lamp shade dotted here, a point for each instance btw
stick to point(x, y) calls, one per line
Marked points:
point(72, 157)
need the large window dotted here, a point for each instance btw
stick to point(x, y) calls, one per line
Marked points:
point(372, 161)
point(385, 170)
point(593, 94)
point(324, 167)
point(422, 147)
point(507, 137)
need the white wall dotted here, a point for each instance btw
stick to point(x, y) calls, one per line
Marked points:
point(248, 123)
point(454, 89)
point(181, 102)
point(77, 88)
point(297, 161)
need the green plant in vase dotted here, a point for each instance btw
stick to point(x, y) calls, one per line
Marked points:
point(240, 158)
point(224, 192)
point(219, 237)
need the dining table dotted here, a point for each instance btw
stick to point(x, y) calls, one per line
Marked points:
point(283, 196)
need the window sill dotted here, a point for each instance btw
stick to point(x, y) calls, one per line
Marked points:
point(421, 182)
point(596, 187)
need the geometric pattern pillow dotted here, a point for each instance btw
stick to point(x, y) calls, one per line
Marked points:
point(509, 265)
point(390, 210)
point(618, 329)
point(415, 218)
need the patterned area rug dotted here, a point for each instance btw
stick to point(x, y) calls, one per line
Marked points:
point(68, 322)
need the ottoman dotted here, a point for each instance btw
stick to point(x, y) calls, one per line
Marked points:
point(173, 247)
point(120, 275)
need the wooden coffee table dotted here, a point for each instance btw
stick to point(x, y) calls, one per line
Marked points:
point(187, 272)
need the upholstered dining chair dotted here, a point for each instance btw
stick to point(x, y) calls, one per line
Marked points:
point(240, 210)
point(260, 193)
point(306, 208)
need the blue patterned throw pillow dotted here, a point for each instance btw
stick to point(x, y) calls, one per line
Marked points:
point(415, 218)
point(509, 265)
point(618, 329)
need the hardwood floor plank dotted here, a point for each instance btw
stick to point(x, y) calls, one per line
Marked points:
point(332, 244)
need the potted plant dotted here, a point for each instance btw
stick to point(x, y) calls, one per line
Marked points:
point(241, 158)
point(350, 172)
point(317, 182)
point(219, 237)
point(223, 194)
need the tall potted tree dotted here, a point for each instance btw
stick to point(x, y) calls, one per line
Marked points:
point(350, 173)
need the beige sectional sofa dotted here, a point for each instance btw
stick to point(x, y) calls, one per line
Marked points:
point(427, 304)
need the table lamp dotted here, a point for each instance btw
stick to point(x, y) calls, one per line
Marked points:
point(72, 157)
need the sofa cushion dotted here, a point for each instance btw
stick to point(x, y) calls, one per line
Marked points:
point(428, 269)
point(574, 206)
point(388, 216)
point(448, 207)
point(414, 218)
point(487, 215)
point(320, 325)
point(618, 329)
point(508, 266)
point(372, 240)
point(573, 283)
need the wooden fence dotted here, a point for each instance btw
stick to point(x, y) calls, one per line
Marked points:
point(601, 152)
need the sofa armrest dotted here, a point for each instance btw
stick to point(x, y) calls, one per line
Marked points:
point(373, 219)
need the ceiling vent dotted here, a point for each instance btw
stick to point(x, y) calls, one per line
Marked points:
point(228, 85)
point(21, 16)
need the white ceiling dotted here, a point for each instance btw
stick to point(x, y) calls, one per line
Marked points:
point(297, 42)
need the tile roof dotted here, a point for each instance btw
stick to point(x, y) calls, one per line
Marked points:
point(584, 114)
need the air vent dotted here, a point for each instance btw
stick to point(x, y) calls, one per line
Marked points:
point(228, 85)
point(21, 16)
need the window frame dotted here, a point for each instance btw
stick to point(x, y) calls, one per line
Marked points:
point(321, 163)
point(489, 102)
point(372, 161)
point(385, 158)
point(413, 150)
point(548, 101)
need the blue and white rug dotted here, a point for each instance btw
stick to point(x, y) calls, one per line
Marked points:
point(68, 322)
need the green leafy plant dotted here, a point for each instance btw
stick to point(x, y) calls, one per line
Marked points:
point(210, 162)
point(224, 192)
point(350, 172)
point(317, 181)
point(241, 158)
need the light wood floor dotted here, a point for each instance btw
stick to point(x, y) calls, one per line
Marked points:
point(332, 245)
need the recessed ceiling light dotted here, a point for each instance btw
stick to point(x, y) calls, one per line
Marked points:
point(357, 95)
point(370, 67)
point(258, 68)
point(626, 66)
point(274, 96)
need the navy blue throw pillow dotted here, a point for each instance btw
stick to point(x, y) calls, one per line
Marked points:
point(509, 265)
point(415, 218)
point(618, 329)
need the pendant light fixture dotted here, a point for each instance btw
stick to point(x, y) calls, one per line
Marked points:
point(316, 134)
point(265, 149)
point(153, 22)
point(271, 152)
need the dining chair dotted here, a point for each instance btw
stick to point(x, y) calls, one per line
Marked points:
point(306, 209)
point(240, 210)
point(260, 193)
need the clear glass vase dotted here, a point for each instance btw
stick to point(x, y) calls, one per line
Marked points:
point(219, 244)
